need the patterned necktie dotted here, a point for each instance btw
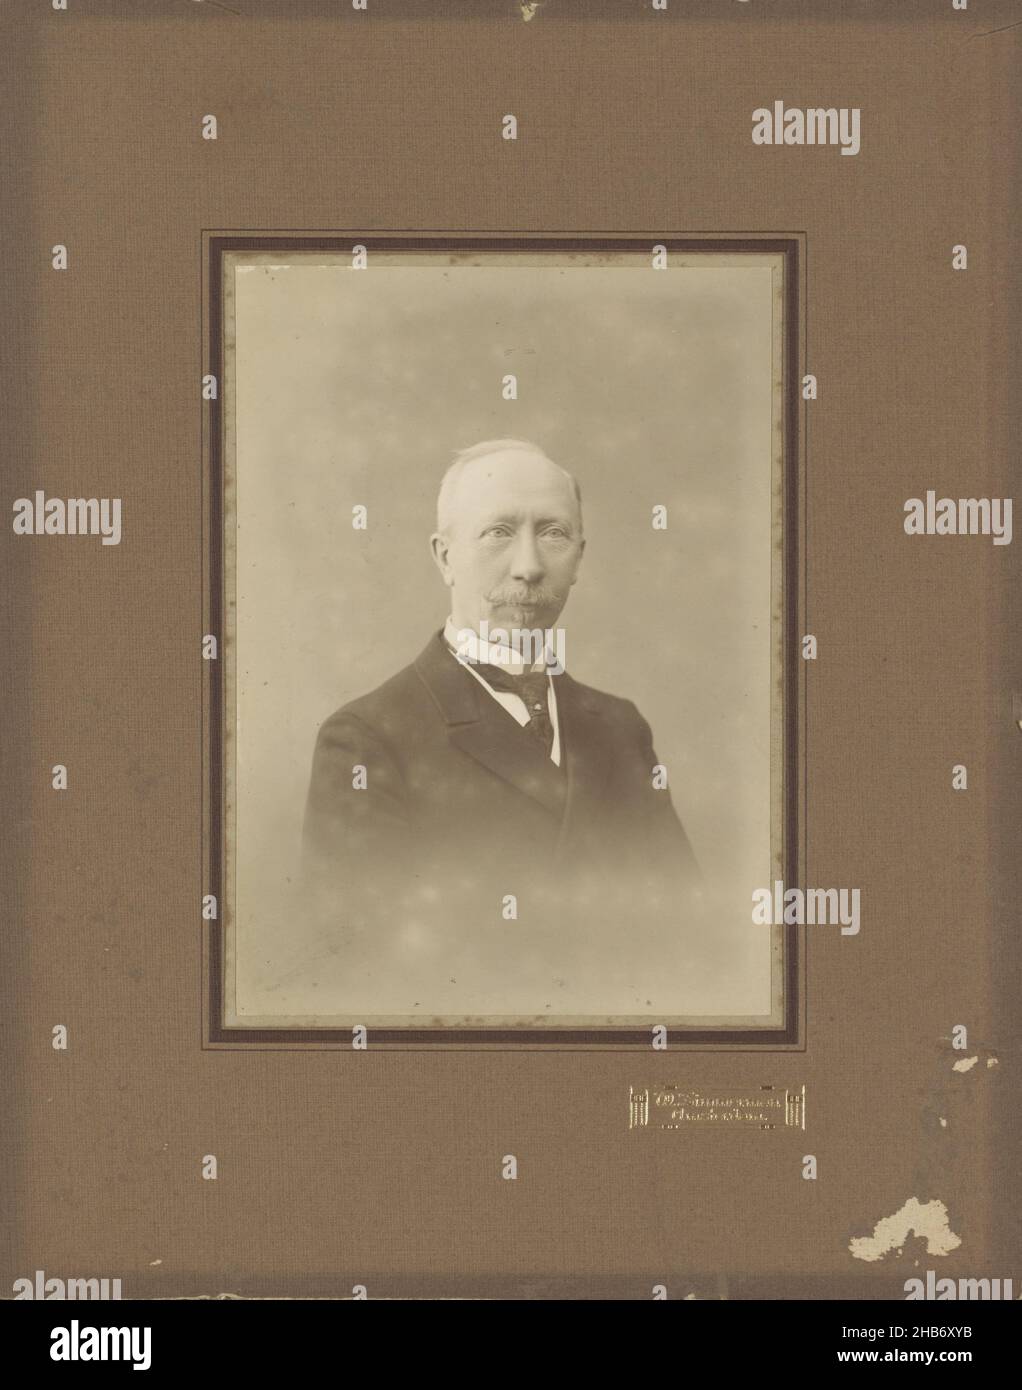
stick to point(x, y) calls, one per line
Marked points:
point(530, 687)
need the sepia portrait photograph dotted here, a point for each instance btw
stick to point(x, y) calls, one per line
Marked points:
point(503, 579)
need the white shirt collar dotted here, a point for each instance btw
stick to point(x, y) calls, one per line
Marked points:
point(469, 647)
point(470, 650)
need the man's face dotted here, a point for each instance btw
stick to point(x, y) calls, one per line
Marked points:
point(513, 543)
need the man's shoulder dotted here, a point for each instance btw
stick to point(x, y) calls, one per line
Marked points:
point(387, 708)
point(615, 708)
point(397, 708)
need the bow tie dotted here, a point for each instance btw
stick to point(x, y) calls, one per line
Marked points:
point(530, 687)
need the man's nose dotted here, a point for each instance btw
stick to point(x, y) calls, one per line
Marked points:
point(526, 563)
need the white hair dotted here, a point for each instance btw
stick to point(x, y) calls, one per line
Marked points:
point(449, 482)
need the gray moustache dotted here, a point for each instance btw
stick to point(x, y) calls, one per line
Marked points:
point(537, 599)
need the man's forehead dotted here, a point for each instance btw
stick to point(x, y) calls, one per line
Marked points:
point(514, 480)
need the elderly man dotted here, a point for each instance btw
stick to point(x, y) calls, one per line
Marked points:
point(483, 782)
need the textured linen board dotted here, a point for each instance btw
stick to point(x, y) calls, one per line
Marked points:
point(383, 1168)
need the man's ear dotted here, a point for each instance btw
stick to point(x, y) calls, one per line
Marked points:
point(581, 552)
point(439, 546)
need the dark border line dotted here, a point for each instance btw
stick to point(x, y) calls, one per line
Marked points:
point(487, 1039)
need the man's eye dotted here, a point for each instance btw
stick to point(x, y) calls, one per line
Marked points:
point(558, 532)
point(497, 531)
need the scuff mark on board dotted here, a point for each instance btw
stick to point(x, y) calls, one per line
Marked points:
point(926, 1220)
point(967, 1063)
point(985, 34)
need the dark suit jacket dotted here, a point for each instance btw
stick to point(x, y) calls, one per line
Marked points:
point(460, 803)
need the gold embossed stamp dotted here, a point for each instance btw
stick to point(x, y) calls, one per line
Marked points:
point(685, 1107)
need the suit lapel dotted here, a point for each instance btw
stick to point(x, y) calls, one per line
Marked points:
point(583, 736)
point(478, 726)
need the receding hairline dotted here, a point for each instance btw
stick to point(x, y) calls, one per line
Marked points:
point(487, 449)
